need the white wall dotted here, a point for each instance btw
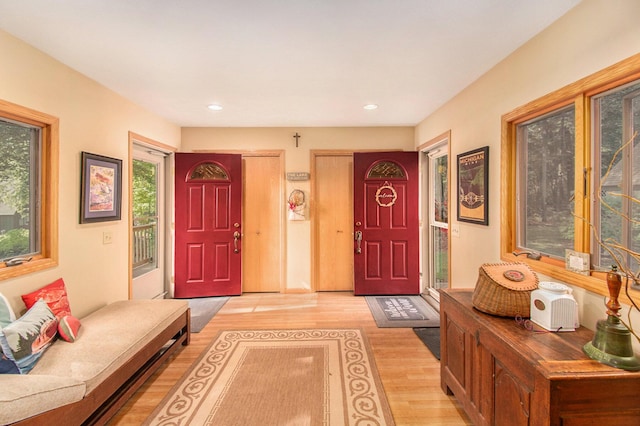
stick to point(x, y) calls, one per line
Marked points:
point(92, 119)
point(592, 36)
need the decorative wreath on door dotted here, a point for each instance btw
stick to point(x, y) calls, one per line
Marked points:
point(386, 195)
point(296, 205)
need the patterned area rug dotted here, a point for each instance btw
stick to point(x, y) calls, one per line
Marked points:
point(279, 377)
point(402, 311)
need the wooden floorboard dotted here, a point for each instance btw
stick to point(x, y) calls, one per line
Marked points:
point(410, 373)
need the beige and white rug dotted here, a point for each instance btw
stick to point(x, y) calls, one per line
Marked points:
point(279, 378)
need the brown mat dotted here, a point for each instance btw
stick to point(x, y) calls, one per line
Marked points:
point(279, 377)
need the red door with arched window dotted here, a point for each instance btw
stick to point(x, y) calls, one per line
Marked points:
point(386, 225)
point(208, 213)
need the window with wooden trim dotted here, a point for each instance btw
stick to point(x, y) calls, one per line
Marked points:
point(28, 190)
point(616, 123)
point(545, 176)
point(570, 176)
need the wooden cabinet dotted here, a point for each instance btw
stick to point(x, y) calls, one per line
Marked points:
point(503, 374)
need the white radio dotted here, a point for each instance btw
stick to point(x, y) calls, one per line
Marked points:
point(553, 307)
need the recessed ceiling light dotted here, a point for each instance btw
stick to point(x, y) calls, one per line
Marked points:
point(215, 107)
point(370, 106)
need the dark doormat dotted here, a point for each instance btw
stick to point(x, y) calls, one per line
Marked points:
point(203, 310)
point(431, 339)
point(402, 311)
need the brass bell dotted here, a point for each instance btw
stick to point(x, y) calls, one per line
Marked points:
point(611, 345)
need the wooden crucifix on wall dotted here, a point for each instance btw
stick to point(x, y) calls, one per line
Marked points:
point(297, 136)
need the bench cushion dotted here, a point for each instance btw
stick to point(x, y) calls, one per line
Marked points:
point(108, 338)
point(25, 395)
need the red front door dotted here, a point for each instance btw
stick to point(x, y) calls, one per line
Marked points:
point(386, 259)
point(208, 201)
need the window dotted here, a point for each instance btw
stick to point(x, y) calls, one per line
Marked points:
point(545, 175)
point(571, 175)
point(616, 119)
point(19, 168)
point(28, 185)
point(386, 169)
point(209, 171)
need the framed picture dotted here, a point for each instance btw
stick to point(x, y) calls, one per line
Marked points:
point(101, 188)
point(473, 186)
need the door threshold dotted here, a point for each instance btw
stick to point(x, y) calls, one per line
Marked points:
point(432, 301)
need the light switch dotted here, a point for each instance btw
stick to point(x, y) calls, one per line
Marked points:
point(107, 237)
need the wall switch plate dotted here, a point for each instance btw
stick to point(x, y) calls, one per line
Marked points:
point(455, 230)
point(577, 262)
point(107, 237)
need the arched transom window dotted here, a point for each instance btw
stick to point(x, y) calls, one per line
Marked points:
point(386, 169)
point(209, 171)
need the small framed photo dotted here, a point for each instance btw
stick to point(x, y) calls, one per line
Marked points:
point(101, 188)
point(473, 186)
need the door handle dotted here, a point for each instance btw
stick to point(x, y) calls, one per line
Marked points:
point(236, 237)
point(358, 241)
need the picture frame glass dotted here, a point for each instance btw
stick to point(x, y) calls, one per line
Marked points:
point(473, 185)
point(101, 187)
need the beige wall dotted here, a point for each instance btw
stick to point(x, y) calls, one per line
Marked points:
point(298, 233)
point(594, 35)
point(92, 119)
point(597, 33)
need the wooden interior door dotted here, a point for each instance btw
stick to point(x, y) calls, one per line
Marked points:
point(386, 240)
point(208, 214)
point(333, 221)
point(262, 239)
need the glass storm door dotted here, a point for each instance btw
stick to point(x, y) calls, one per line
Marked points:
point(436, 237)
point(148, 223)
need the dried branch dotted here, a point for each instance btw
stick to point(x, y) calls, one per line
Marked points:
point(618, 251)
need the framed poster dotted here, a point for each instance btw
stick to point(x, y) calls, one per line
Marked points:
point(101, 188)
point(473, 186)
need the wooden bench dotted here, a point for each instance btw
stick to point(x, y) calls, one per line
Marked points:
point(108, 396)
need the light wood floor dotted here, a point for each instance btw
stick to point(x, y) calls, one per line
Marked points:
point(409, 371)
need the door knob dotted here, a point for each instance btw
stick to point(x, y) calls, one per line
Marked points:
point(236, 237)
point(358, 241)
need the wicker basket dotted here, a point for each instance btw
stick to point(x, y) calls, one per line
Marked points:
point(504, 289)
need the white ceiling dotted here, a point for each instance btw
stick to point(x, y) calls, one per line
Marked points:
point(295, 63)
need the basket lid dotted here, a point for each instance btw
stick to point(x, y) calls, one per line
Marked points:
point(514, 276)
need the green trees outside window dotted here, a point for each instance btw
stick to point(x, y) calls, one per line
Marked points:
point(19, 187)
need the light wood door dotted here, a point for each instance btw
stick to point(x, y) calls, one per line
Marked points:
point(262, 239)
point(333, 223)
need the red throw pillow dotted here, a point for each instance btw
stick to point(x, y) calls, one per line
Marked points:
point(68, 328)
point(55, 294)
